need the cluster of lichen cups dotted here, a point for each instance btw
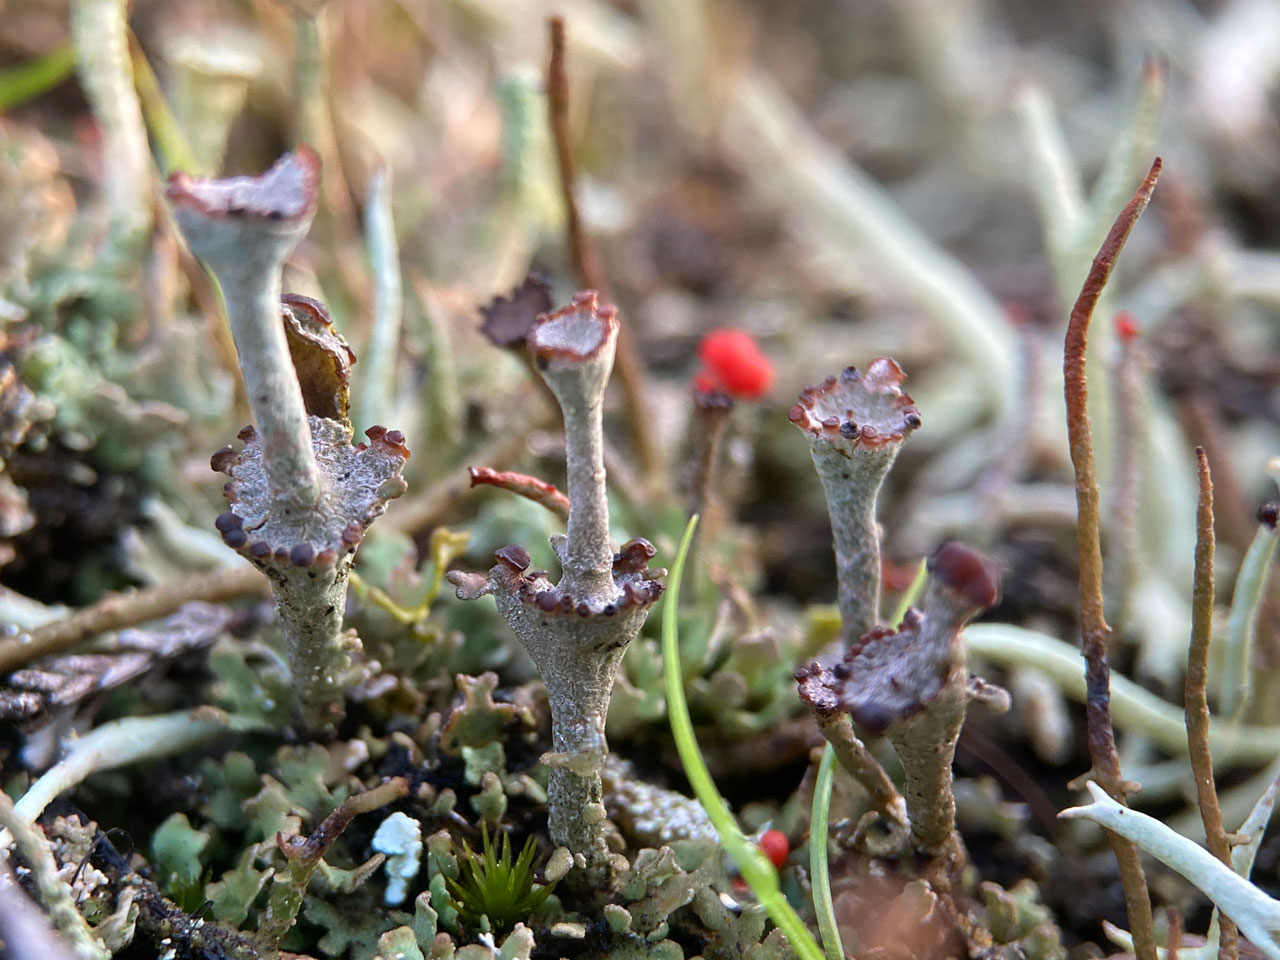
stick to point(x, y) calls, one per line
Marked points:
point(910, 684)
point(302, 494)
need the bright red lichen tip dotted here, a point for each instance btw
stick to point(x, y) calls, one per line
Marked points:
point(1126, 326)
point(733, 363)
point(773, 844)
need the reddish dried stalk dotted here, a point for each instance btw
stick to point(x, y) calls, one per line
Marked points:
point(1173, 940)
point(710, 417)
point(585, 263)
point(1195, 702)
point(521, 484)
point(1094, 629)
point(303, 856)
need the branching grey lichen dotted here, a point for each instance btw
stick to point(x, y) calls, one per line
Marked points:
point(576, 630)
point(301, 493)
point(911, 685)
point(855, 425)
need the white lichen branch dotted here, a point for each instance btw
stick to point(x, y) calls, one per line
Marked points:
point(1256, 914)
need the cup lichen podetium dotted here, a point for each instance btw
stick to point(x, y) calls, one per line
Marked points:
point(912, 685)
point(576, 630)
point(301, 493)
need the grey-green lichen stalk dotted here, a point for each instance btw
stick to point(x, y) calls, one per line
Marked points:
point(912, 686)
point(855, 424)
point(101, 32)
point(244, 229)
point(576, 630)
point(301, 493)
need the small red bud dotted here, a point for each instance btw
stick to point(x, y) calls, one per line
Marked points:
point(1126, 326)
point(773, 844)
point(703, 382)
point(735, 364)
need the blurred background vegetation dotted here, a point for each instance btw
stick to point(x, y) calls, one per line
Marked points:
point(843, 180)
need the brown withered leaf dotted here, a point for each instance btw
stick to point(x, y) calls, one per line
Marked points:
point(507, 320)
point(59, 682)
point(320, 355)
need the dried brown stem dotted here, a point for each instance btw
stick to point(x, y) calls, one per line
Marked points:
point(1195, 701)
point(583, 255)
point(1173, 940)
point(523, 485)
point(710, 417)
point(303, 856)
point(1094, 629)
point(420, 513)
point(586, 264)
point(119, 610)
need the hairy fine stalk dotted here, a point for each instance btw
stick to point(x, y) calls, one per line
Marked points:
point(1195, 702)
point(1095, 632)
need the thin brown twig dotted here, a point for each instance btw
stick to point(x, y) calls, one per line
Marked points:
point(523, 485)
point(581, 252)
point(586, 264)
point(710, 417)
point(119, 610)
point(1196, 703)
point(418, 514)
point(1173, 940)
point(1094, 629)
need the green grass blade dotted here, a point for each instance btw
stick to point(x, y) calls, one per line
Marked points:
point(912, 593)
point(29, 79)
point(818, 867)
point(754, 866)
